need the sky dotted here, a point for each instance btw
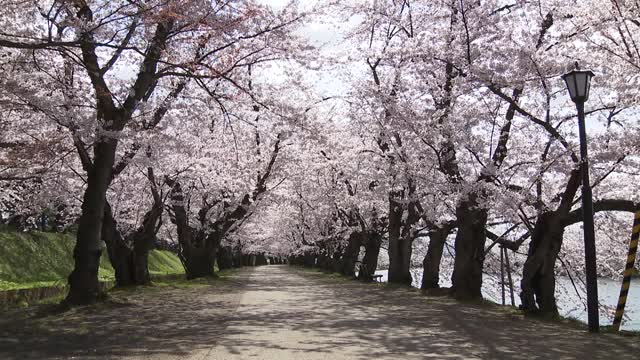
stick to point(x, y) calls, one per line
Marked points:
point(328, 35)
point(320, 33)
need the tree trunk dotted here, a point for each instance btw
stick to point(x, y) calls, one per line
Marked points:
point(431, 262)
point(309, 260)
point(129, 255)
point(141, 265)
point(131, 265)
point(469, 246)
point(143, 240)
point(237, 258)
point(350, 256)
point(369, 265)
point(538, 275)
point(198, 248)
point(84, 287)
point(200, 262)
point(399, 247)
point(297, 260)
point(335, 261)
point(225, 258)
point(120, 255)
point(323, 261)
point(139, 257)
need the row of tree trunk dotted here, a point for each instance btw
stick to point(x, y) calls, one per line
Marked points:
point(538, 283)
point(344, 259)
point(230, 257)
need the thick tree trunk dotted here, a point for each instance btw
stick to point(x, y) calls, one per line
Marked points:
point(297, 260)
point(469, 246)
point(129, 256)
point(84, 287)
point(431, 262)
point(198, 248)
point(335, 261)
point(200, 262)
point(369, 265)
point(141, 263)
point(309, 260)
point(323, 260)
point(350, 256)
point(399, 247)
point(261, 260)
point(138, 256)
point(120, 255)
point(237, 258)
point(538, 275)
point(225, 258)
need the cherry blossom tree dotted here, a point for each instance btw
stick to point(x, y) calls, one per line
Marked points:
point(200, 121)
point(89, 48)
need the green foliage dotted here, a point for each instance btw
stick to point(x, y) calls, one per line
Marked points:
point(37, 259)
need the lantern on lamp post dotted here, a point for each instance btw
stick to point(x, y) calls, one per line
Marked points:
point(578, 83)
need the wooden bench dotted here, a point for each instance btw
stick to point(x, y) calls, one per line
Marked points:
point(377, 278)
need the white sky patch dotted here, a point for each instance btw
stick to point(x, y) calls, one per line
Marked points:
point(328, 35)
point(281, 4)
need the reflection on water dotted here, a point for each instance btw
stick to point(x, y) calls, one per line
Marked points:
point(570, 304)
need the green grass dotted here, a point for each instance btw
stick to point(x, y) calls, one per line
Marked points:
point(38, 259)
point(164, 263)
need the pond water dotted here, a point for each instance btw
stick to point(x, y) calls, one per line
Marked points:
point(571, 303)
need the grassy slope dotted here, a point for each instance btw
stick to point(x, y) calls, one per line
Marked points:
point(45, 259)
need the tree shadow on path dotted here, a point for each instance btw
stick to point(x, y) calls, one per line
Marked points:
point(166, 321)
point(304, 315)
point(278, 312)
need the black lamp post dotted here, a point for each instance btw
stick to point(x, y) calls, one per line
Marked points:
point(578, 83)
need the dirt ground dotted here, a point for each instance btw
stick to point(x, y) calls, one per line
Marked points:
point(278, 312)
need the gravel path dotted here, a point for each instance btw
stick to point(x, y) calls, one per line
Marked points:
point(277, 312)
